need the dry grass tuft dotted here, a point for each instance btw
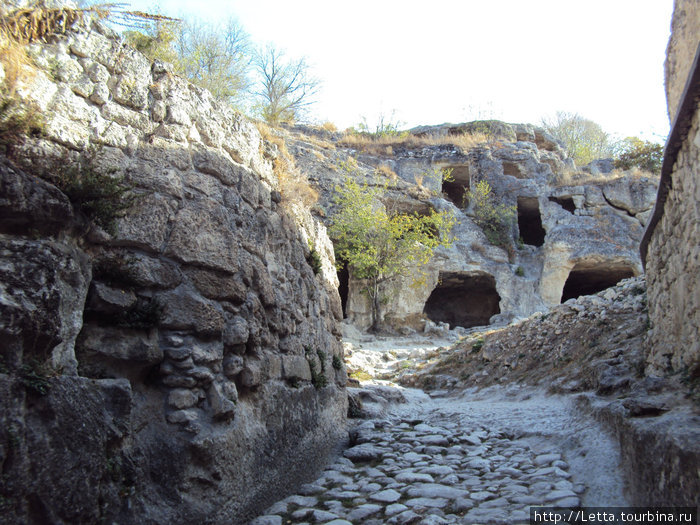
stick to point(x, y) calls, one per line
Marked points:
point(572, 177)
point(386, 171)
point(318, 142)
point(36, 21)
point(329, 126)
point(293, 184)
point(384, 145)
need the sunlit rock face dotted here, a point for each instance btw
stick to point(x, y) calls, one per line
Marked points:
point(185, 367)
point(574, 232)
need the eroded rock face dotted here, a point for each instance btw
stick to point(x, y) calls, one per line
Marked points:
point(184, 368)
point(569, 221)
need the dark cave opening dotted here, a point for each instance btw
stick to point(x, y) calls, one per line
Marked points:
point(463, 299)
point(530, 221)
point(565, 202)
point(457, 185)
point(586, 279)
point(344, 288)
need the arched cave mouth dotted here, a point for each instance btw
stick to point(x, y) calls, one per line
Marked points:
point(530, 221)
point(455, 188)
point(463, 299)
point(586, 279)
point(344, 288)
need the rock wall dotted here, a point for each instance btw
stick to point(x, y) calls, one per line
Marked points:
point(673, 253)
point(185, 367)
point(583, 225)
point(682, 46)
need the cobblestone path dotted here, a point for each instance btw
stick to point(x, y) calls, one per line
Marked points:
point(482, 458)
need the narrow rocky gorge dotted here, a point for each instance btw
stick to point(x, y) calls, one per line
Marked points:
point(198, 356)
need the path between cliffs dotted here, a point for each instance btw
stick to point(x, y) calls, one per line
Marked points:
point(479, 457)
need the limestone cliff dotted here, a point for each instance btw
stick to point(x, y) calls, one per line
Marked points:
point(183, 366)
point(578, 229)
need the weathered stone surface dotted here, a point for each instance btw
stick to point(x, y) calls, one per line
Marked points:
point(28, 203)
point(137, 348)
point(565, 222)
point(43, 289)
point(107, 300)
point(296, 367)
point(191, 296)
point(185, 310)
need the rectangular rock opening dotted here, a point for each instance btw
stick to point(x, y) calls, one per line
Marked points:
point(565, 202)
point(455, 188)
point(530, 221)
point(588, 279)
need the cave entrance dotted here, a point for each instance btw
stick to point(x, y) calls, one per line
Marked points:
point(344, 288)
point(530, 221)
point(565, 202)
point(455, 188)
point(463, 299)
point(587, 279)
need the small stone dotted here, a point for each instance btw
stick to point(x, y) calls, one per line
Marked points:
point(364, 452)
point(386, 496)
point(363, 511)
point(413, 477)
point(427, 502)
point(546, 459)
point(322, 515)
point(404, 518)
point(182, 398)
point(267, 520)
point(394, 508)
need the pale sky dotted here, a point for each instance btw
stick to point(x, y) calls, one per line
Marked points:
point(457, 60)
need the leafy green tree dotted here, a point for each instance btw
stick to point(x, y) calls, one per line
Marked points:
point(584, 139)
point(495, 219)
point(644, 154)
point(285, 87)
point(380, 246)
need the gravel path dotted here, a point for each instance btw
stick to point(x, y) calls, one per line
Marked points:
point(482, 457)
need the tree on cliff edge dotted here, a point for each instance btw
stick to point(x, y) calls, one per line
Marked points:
point(380, 246)
point(286, 87)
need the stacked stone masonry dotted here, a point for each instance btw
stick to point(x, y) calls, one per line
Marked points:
point(673, 266)
point(673, 256)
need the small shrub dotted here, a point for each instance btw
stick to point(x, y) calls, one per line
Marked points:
point(476, 346)
point(337, 362)
point(519, 271)
point(314, 260)
point(495, 219)
point(329, 126)
point(322, 357)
